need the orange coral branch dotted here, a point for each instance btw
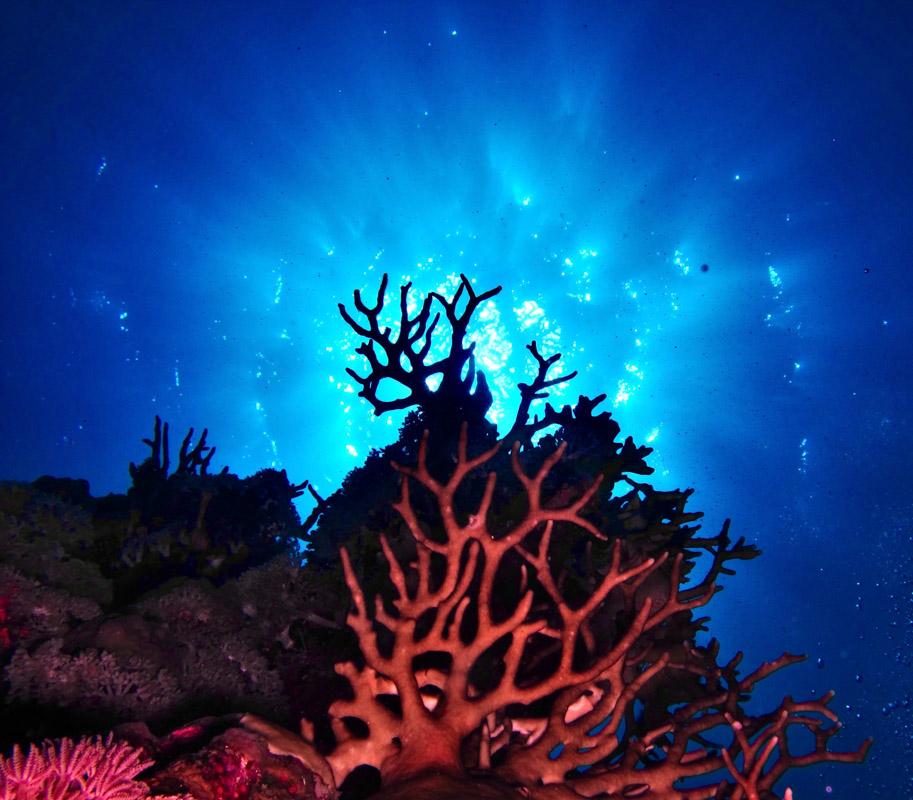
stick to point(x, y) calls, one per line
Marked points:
point(491, 660)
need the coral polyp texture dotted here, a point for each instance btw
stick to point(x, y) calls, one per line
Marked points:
point(478, 615)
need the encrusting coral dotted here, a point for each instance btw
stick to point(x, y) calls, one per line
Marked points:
point(509, 616)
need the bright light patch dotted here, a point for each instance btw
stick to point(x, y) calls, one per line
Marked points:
point(623, 394)
point(529, 313)
point(532, 319)
point(680, 261)
point(492, 352)
point(803, 455)
point(581, 278)
point(651, 436)
point(277, 294)
point(775, 279)
point(525, 201)
point(350, 449)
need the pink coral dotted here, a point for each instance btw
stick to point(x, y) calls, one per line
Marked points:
point(90, 769)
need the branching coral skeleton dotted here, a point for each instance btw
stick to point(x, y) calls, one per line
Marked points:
point(531, 631)
point(415, 719)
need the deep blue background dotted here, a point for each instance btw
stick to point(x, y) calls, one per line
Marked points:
point(188, 189)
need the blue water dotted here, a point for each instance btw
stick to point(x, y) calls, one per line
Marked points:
point(705, 209)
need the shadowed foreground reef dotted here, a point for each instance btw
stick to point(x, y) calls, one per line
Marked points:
point(478, 614)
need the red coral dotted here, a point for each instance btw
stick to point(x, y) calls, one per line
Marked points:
point(9, 633)
point(6, 639)
point(231, 775)
point(555, 703)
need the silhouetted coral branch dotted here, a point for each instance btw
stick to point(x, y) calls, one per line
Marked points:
point(192, 460)
point(522, 430)
point(316, 511)
point(401, 359)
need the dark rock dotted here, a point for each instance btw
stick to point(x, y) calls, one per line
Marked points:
point(214, 758)
point(70, 490)
point(435, 786)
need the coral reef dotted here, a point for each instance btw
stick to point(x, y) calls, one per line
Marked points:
point(495, 616)
point(113, 609)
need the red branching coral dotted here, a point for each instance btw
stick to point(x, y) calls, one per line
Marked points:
point(543, 700)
